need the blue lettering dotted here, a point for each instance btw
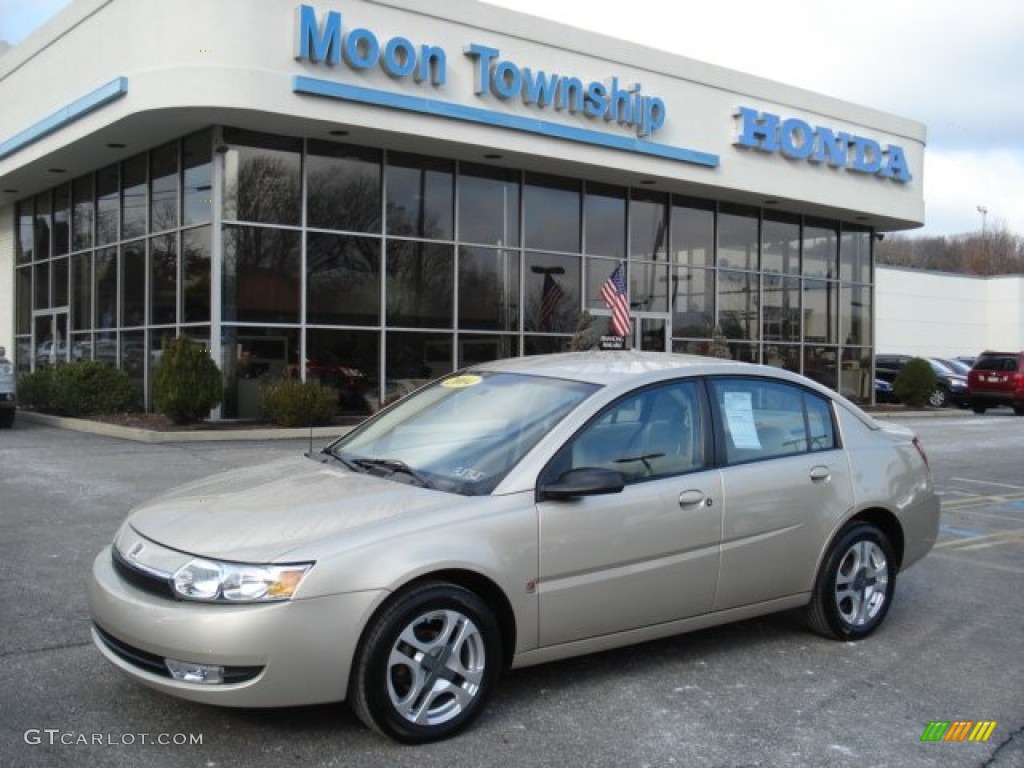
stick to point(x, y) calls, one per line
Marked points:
point(653, 116)
point(867, 155)
point(507, 81)
point(896, 168)
point(399, 57)
point(539, 88)
point(759, 131)
point(485, 57)
point(596, 101)
point(620, 104)
point(570, 94)
point(797, 139)
point(433, 65)
point(312, 43)
point(361, 49)
point(831, 148)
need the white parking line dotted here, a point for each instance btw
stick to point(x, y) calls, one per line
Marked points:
point(987, 482)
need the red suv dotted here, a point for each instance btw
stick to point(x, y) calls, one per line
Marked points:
point(997, 378)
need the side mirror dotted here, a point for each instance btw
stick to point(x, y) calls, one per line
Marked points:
point(582, 482)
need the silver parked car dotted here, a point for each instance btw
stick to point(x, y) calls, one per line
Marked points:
point(515, 513)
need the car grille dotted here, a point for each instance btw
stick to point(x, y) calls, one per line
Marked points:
point(140, 579)
point(155, 665)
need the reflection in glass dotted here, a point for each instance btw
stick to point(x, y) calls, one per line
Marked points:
point(488, 289)
point(737, 238)
point(551, 293)
point(195, 258)
point(820, 365)
point(855, 255)
point(163, 185)
point(783, 356)
point(342, 279)
point(693, 302)
point(781, 244)
point(480, 348)
point(251, 355)
point(419, 284)
point(820, 250)
point(133, 361)
point(42, 285)
point(163, 279)
point(855, 381)
point(604, 211)
point(597, 273)
point(648, 225)
point(59, 278)
point(262, 275)
point(82, 213)
point(105, 289)
point(856, 315)
point(197, 187)
point(693, 235)
point(343, 187)
point(546, 345)
point(23, 294)
point(61, 219)
point(648, 286)
point(488, 205)
point(262, 178)
point(81, 292)
point(551, 209)
point(43, 224)
point(347, 362)
point(134, 199)
point(781, 307)
point(820, 312)
point(24, 242)
point(738, 304)
point(133, 284)
point(413, 359)
point(106, 205)
point(420, 196)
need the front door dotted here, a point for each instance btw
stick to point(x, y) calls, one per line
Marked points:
point(50, 328)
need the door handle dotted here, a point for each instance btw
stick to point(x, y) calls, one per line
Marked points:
point(820, 474)
point(693, 499)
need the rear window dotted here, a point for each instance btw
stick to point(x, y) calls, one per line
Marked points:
point(996, 363)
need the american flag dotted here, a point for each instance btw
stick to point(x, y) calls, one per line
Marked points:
point(551, 295)
point(614, 294)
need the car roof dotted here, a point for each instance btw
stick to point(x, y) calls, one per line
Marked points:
point(616, 367)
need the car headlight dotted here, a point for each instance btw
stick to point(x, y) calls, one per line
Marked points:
point(212, 581)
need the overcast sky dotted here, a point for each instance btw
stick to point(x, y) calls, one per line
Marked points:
point(955, 65)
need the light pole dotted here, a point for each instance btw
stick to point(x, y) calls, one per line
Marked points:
point(984, 239)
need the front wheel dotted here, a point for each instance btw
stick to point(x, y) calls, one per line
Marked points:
point(855, 584)
point(938, 399)
point(427, 664)
point(977, 407)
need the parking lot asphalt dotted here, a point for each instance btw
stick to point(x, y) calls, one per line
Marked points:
point(757, 693)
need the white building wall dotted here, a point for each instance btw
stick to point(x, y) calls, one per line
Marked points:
point(943, 315)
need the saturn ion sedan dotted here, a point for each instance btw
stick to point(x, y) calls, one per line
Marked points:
point(514, 513)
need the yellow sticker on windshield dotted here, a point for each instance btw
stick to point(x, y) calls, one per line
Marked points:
point(466, 380)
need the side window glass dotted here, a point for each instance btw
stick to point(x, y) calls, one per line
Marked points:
point(765, 419)
point(654, 433)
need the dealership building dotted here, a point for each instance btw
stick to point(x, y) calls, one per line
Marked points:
point(374, 193)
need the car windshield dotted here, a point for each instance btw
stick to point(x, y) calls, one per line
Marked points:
point(461, 434)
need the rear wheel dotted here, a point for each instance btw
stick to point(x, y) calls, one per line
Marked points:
point(427, 664)
point(977, 407)
point(938, 399)
point(6, 418)
point(1018, 408)
point(855, 584)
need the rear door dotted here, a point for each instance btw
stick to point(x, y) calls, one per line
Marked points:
point(785, 482)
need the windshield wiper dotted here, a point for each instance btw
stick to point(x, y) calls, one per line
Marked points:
point(395, 465)
point(349, 463)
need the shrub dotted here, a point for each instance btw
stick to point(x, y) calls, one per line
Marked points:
point(187, 384)
point(294, 403)
point(914, 383)
point(34, 388)
point(88, 387)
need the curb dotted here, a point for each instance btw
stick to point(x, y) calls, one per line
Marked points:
point(198, 436)
point(909, 413)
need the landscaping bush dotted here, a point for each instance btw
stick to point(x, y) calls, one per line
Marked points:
point(187, 384)
point(81, 388)
point(294, 403)
point(89, 387)
point(914, 383)
point(34, 389)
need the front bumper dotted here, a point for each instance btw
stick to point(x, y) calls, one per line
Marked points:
point(285, 654)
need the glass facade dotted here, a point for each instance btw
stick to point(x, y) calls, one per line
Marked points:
point(375, 271)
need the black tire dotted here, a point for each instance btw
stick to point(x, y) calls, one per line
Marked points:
point(938, 398)
point(1018, 408)
point(7, 418)
point(977, 407)
point(459, 641)
point(855, 585)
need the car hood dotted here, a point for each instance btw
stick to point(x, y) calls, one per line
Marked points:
point(260, 513)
